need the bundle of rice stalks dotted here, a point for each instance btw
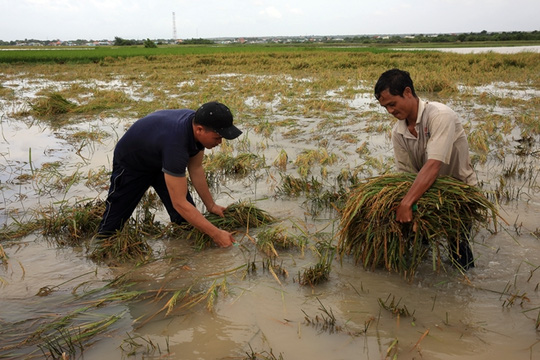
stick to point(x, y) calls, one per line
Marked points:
point(69, 223)
point(237, 215)
point(125, 245)
point(52, 104)
point(444, 213)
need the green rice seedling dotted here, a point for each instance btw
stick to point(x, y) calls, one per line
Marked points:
point(370, 233)
point(392, 351)
point(95, 135)
point(238, 215)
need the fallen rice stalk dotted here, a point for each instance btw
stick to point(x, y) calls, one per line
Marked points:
point(237, 215)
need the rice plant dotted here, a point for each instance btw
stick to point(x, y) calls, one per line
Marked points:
point(270, 238)
point(392, 306)
point(370, 233)
point(237, 215)
point(320, 272)
point(226, 164)
point(52, 104)
point(125, 245)
point(137, 344)
point(326, 322)
point(68, 224)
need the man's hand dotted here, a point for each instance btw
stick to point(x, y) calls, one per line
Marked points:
point(425, 178)
point(217, 209)
point(223, 238)
point(404, 213)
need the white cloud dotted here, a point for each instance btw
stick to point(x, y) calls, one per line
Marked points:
point(271, 12)
point(296, 11)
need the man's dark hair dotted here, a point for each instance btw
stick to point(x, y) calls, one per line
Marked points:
point(395, 81)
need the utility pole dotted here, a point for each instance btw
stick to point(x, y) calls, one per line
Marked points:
point(174, 27)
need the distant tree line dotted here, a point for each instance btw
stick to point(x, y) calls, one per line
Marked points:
point(118, 41)
point(463, 37)
point(198, 42)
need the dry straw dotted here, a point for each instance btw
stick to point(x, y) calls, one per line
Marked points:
point(370, 233)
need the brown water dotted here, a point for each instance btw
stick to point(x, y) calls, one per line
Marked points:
point(489, 314)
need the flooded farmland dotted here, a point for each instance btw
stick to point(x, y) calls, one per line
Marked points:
point(236, 303)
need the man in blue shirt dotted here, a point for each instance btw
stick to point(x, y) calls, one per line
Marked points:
point(156, 151)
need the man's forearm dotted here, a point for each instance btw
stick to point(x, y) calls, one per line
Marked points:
point(425, 178)
point(195, 218)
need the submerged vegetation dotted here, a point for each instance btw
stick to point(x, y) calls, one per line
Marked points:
point(314, 151)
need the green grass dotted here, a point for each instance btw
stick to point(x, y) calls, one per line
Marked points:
point(97, 54)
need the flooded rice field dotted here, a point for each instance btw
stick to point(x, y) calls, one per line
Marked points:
point(242, 304)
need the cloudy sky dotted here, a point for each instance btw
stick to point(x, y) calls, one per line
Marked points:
point(141, 19)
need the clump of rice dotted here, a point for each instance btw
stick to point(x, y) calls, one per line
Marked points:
point(237, 215)
point(370, 233)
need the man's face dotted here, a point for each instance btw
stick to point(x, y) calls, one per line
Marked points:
point(208, 137)
point(398, 106)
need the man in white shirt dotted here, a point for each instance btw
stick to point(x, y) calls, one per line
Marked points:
point(429, 140)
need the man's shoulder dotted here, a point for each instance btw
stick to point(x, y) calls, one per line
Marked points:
point(435, 106)
point(172, 113)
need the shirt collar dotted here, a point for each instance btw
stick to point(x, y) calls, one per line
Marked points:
point(402, 124)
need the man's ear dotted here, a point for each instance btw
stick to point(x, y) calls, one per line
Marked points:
point(407, 92)
point(198, 128)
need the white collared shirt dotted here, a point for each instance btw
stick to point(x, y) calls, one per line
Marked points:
point(440, 137)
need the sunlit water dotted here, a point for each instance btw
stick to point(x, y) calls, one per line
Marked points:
point(450, 316)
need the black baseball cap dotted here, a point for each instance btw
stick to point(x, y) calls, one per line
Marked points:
point(219, 118)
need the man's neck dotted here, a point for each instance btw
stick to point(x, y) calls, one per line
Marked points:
point(411, 119)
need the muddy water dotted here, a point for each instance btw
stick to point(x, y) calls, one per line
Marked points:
point(489, 314)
